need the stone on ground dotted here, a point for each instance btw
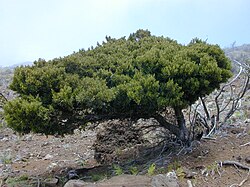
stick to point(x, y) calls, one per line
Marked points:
point(162, 180)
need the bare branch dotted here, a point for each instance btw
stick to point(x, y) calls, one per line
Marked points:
point(227, 100)
point(1, 95)
point(205, 107)
point(217, 106)
point(193, 121)
point(214, 127)
point(244, 88)
point(237, 76)
point(248, 143)
point(234, 163)
point(189, 183)
point(235, 103)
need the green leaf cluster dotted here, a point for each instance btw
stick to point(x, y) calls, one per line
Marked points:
point(118, 170)
point(151, 169)
point(135, 76)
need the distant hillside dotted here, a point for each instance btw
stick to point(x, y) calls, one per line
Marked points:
point(240, 53)
point(6, 73)
point(27, 63)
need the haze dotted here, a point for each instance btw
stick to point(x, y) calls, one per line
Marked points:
point(32, 29)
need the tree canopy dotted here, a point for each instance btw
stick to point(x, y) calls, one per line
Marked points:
point(132, 77)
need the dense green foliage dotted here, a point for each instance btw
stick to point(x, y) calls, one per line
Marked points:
point(134, 77)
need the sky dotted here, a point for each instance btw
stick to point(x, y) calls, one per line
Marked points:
point(32, 29)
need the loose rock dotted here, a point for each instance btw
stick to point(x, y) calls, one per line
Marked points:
point(190, 175)
point(167, 180)
point(247, 121)
point(78, 183)
point(48, 157)
point(51, 182)
point(247, 159)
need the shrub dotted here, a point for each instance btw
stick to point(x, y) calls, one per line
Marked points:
point(137, 77)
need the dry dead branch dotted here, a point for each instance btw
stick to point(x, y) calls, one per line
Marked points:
point(209, 138)
point(227, 101)
point(248, 143)
point(3, 100)
point(189, 183)
point(1, 95)
point(234, 163)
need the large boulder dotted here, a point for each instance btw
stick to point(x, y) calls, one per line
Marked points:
point(162, 180)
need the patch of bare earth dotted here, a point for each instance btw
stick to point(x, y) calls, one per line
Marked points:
point(206, 160)
point(41, 156)
point(38, 155)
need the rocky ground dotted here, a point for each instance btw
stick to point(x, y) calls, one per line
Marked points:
point(37, 155)
point(206, 159)
point(32, 158)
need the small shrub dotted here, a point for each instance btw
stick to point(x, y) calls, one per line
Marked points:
point(238, 114)
point(133, 170)
point(161, 170)
point(151, 169)
point(174, 166)
point(180, 173)
point(81, 162)
point(211, 169)
point(98, 177)
point(18, 181)
point(118, 170)
point(6, 158)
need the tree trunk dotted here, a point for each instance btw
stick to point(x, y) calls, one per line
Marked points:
point(205, 108)
point(180, 130)
point(171, 127)
point(181, 124)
